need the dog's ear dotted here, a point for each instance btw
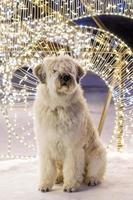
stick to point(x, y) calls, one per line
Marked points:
point(80, 73)
point(38, 72)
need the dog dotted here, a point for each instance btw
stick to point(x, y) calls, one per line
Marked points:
point(69, 147)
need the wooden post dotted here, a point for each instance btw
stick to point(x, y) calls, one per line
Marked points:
point(104, 112)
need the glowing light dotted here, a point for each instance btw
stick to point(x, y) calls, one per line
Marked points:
point(26, 39)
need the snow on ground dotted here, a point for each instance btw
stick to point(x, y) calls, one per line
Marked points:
point(19, 180)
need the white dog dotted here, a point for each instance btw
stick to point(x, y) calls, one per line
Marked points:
point(69, 146)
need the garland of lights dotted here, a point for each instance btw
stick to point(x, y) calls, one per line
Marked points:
point(102, 7)
point(75, 9)
point(30, 41)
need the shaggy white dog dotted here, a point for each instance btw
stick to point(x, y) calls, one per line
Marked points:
point(69, 146)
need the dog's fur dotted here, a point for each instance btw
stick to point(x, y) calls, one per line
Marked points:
point(69, 146)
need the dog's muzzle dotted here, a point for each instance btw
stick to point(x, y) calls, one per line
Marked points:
point(65, 79)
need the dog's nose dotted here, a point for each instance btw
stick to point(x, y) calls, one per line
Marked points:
point(64, 78)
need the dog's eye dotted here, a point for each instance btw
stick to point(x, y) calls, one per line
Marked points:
point(54, 70)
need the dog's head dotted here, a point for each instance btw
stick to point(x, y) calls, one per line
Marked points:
point(60, 74)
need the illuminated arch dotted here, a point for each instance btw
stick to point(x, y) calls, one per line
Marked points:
point(106, 53)
point(26, 41)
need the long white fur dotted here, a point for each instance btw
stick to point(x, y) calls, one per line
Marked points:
point(68, 143)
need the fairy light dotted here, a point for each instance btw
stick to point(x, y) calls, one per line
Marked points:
point(118, 8)
point(26, 42)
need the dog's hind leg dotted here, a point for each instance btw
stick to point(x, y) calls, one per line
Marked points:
point(95, 165)
point(59, 168)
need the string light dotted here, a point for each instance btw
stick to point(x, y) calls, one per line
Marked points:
point(26, 39)
point(100, 7)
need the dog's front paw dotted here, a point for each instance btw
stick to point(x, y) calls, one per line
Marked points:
point(71, 187)
point(45, 187)
point(92, 181)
